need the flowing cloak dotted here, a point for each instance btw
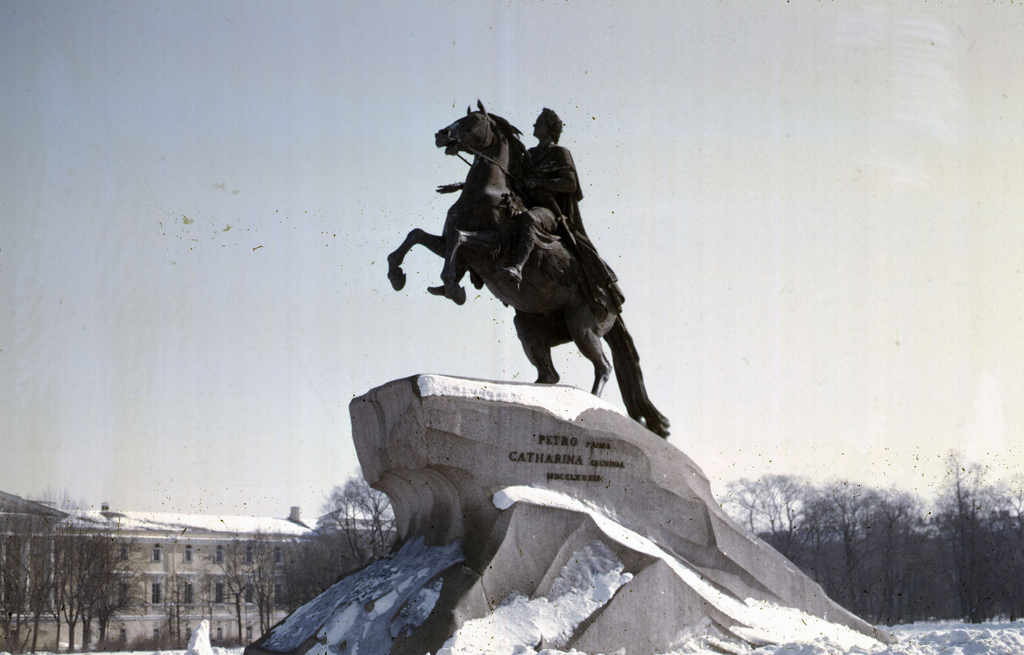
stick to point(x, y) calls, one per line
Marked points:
point(553, 169)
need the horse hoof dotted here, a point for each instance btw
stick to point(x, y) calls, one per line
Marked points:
point(397, 278)
point(459, 296)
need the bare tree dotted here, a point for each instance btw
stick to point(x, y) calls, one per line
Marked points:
point(15, 554)
point(250, 570)
point(308, 571)
point(41, 575)
point(882, 556)
point(73, 576)
point(894, 520)
point(773, 508)
point(236, 575)
point(358, 527)
point(363, 516)
point(207, 584)
point(61, 564)
point(1012, 537)
point(110, 583)
point(88, 573)
point(842, 512)
point(178, 597)
point(118, 585)
point(964, 504)
point(263, 577)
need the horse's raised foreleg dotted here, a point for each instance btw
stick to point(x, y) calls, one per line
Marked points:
point(433, 243)
point(450, 274)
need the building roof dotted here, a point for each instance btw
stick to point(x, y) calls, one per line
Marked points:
point(131, 521)
point(11, 504)
point(194, 524)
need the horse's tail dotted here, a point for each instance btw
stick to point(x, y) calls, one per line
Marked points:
point(631, 380)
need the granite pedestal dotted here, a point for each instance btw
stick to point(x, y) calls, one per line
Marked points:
point(520, 479)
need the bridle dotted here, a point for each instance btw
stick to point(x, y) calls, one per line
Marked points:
point(477, 153)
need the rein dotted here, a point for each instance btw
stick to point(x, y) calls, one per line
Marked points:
point(487, 158)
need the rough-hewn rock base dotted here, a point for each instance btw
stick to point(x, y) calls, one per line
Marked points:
point(552, 496)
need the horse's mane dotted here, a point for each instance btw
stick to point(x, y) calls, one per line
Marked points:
point(517, 152)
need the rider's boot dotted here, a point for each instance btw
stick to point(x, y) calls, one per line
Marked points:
point(523, 250)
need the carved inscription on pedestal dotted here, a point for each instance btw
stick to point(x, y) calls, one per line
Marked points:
point(575, 461)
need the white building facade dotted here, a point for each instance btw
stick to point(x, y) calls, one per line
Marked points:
point(189, 567)
point(179, 569)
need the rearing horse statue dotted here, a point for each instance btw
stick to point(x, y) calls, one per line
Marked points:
point(551, 305)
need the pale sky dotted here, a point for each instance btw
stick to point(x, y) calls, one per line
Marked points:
point(816, 212)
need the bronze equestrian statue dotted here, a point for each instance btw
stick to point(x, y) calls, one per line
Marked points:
point(516, 228)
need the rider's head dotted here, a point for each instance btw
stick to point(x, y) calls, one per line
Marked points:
point(551, 123)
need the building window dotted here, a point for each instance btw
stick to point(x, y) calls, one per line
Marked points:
point(188, 554)
point(218, 555)
point(278, 593)
point(124, 552)
point(218, 592)
point(124, 634)
point(156, 593)
point(220, 633)
point(157, 553)
point(250, 554)
point(249, 593)
point(248, 633)
point(188, 593)
point(156, 634)
point(278, 555)
point(124, 593)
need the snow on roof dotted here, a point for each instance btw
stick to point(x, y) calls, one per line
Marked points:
point(563, 401)
point(11, 504)
point(169, 522)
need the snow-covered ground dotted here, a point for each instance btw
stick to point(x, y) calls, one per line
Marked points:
point(918, 639)
point(947, 638)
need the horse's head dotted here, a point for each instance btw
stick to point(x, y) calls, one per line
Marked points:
point(473, 132)
point(493, 138)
